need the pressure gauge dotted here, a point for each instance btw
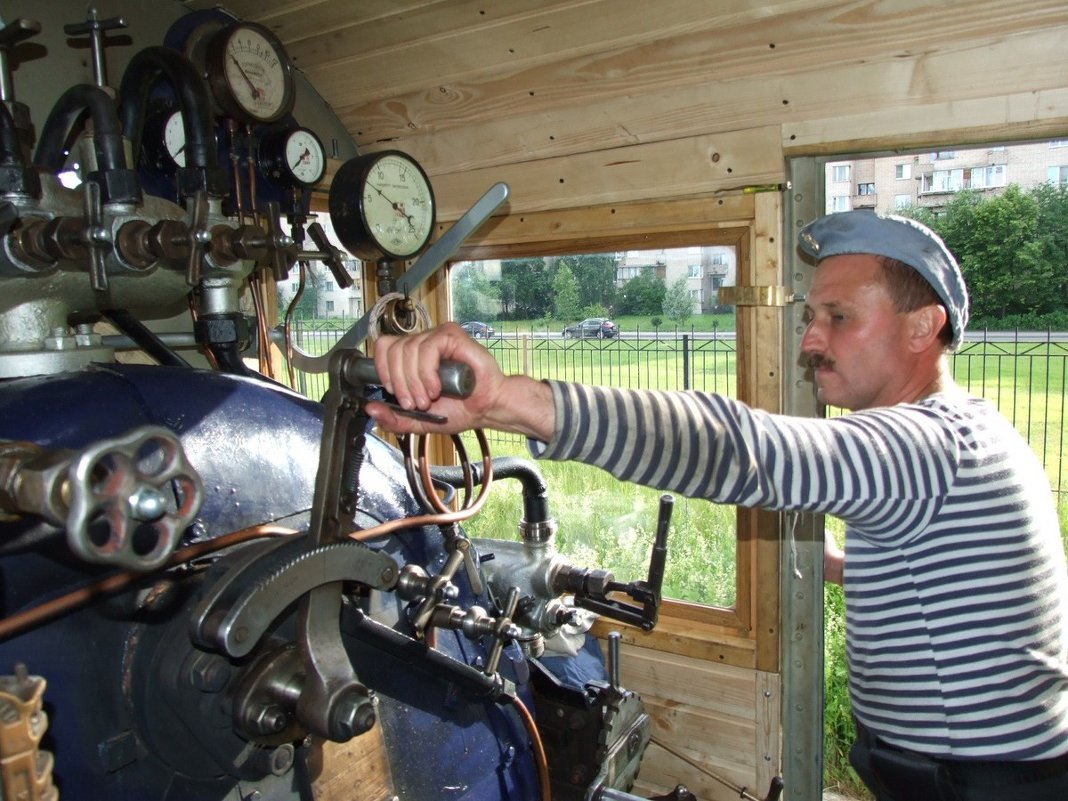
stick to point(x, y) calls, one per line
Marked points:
point(294, 157)
point(174, 138)
point(250, 74)
point(382, 205)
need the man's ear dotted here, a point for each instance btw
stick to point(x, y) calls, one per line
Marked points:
point(925, 324)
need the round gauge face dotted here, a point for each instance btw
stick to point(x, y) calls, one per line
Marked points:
point(174, 138)
point(250, 74)
point(305, 160)
point(397, 205)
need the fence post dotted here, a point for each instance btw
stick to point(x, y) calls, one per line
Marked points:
point(528, 357)
point(685, 361)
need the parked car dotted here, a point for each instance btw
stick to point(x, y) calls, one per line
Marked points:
point(592, 327)
point(478, 330)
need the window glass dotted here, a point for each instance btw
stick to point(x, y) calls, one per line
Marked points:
point(671, 332)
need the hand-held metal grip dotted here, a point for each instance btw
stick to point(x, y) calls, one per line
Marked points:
point(457, 378)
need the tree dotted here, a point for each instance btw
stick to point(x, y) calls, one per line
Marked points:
point(533, 287)
point(474, 296)
point(565, 294)
point(678, 305)
point(643, 294)
point(595, 276)
point(1010, 247)
point(307, 308)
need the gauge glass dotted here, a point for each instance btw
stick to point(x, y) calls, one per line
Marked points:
point(398, 205)
point(304, 156)
point(256, 73)
point(174, 138)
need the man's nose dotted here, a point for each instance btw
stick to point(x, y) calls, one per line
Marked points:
point(813, 340)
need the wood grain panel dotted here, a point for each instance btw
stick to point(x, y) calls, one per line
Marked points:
point(777, 47)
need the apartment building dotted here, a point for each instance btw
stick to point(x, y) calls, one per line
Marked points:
point(888, 183)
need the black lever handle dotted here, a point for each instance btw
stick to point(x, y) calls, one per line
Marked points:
point(457, 378)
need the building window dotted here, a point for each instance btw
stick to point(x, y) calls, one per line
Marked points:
point(840, 203)
point(987, 177)
point(1059, 143)
point(903, 172)
point(942, 155)
point(1058, 176)
point(943, 181)
point(865, 189)
point(330, 305)
point(902, 201)
point(840, 173)
point(695, 270)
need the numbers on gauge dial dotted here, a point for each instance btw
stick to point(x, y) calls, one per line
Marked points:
point(398, 206)
point(257, 73)
point(304, 157)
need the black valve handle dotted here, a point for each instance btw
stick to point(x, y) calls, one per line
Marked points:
point(457, 378)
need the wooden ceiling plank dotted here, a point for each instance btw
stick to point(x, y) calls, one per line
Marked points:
point(343, 66)
point(801, 42)
point(958, 83)
point(678, 168)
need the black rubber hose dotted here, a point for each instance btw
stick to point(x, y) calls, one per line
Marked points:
point(59, 129)
point(193, 95)
point(535, 490)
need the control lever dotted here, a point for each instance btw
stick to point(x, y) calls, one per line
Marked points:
point(333, 703)
point(592, 588)
point(331, 255)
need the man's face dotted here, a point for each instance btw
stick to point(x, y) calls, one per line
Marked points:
point(856, 341)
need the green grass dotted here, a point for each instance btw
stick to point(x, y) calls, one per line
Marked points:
point(609, 524)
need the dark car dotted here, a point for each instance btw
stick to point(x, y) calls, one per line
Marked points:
point(478, 330)
point(592, 327)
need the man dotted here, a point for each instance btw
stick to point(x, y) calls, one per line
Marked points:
point(956, 586)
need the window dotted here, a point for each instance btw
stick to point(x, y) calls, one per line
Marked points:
point(840, 173)
point(1059, 143)
point(330, 305)
point(531, 304)
point(866, 189)
point(942, 155)
point(943, 181)
point(987, 177)
point(1058, 176)
point(840, 203)
point(902, 201)
point(903, 172)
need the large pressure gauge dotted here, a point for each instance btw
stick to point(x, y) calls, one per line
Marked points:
point(250, 74)
point(382, 206)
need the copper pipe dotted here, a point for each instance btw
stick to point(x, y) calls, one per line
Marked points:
point(36, 615)
point(541, 761)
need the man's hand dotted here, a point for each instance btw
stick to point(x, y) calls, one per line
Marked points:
point(408, 369)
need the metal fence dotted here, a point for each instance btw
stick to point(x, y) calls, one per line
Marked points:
point(1022, 372)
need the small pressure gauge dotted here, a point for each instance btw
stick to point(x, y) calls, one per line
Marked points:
point(294, 157)
point(382, 205)
point(174, 138)
point(250, 74)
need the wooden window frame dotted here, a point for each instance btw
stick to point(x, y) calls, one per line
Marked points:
point(747, 634)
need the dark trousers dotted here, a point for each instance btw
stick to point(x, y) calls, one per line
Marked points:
point(894, 774)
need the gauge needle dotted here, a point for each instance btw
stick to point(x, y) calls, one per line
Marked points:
point(251, 85)
point(303, 156)
point(397, 207)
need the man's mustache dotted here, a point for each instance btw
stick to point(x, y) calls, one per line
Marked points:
point(815, 361)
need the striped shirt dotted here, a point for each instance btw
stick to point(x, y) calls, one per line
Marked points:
point(955, 580)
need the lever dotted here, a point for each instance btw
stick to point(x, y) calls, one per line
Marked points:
point(592, 587)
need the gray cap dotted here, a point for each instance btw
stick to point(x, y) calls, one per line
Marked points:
point(897, 238)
